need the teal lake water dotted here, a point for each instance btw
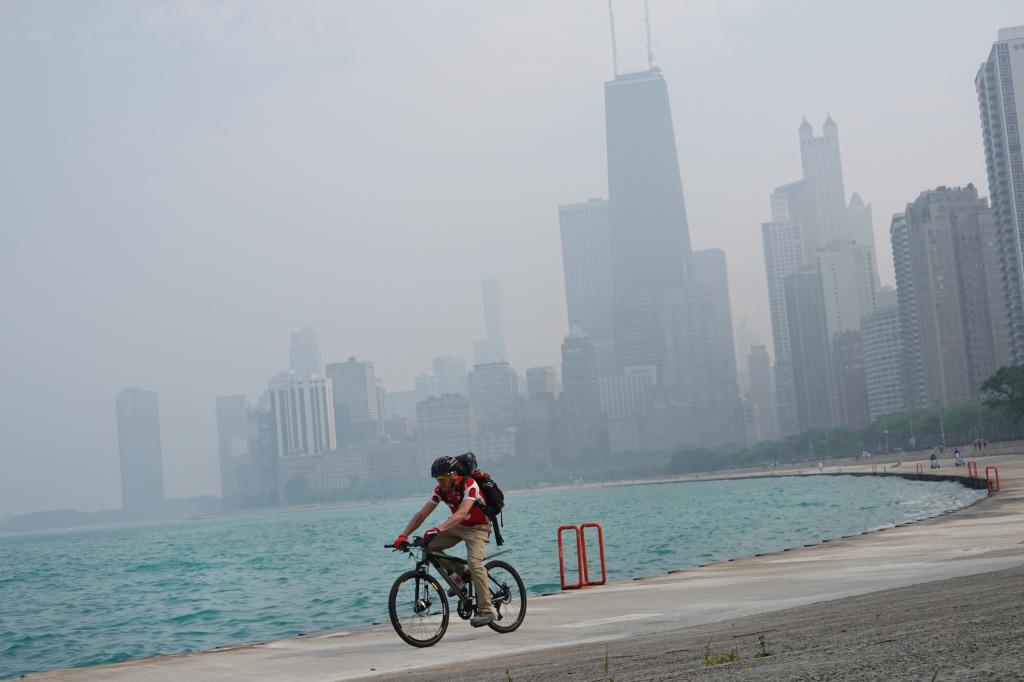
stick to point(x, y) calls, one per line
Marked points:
point(85, 597)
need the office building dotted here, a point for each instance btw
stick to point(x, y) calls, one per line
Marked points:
point(139, 452)
point(303, 414)
point(587, 267)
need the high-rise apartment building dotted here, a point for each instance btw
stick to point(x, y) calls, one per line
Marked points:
point(139, 452)
point(949, 231)
point(304, 352)
point(303, 414)
point(883, 356)
point(1000, 86)
point(491, 348)
point(587, 267)
point(356, 408)
point(911, 367)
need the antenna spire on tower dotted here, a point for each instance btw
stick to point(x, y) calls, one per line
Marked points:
point(650, 45)
point(615, 48)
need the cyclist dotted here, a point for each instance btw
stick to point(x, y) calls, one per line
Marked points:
point(467, 524)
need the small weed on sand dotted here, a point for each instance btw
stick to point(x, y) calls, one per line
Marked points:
point(762, 642)
point(711, 658)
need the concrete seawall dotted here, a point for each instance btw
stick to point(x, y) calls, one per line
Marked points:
point(986, 536)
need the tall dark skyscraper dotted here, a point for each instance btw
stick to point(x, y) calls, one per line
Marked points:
point(650, 238)
point(138, 445)
point(671, 306)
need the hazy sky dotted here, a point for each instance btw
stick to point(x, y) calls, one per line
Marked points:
point(184, 183)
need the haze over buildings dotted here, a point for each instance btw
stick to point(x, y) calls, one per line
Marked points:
point(223, 185)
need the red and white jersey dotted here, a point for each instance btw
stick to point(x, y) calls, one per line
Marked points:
point(464, 487)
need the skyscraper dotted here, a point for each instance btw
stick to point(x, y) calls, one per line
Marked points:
point(783, 255)
point(809, 343)
point(446, 426)
point(304, 353)
point(356, 410)
point(493, 390)
point(651, 254)
point(140, 455)
point(762, 392)
point(450, 371)
point(233, 447)
point(911, 368)
point(1000, 85)
point(541, 381)
point(491, 348)
point(303, 414)
point(587, 267)
point(823, 177)
point(711, 379)
point(883, 356)
point(848, 284)
point(949, 230)
point(586, 426)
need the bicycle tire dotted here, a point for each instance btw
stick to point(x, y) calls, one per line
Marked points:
point(396, 622)
point(497, 625)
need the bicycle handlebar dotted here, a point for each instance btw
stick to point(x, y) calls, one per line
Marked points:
point(417, 541)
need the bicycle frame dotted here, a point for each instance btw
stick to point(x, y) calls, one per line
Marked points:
point(427, 558)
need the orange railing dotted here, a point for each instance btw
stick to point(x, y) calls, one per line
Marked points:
point(579, 559)
point(989, 480)
point(582, 567)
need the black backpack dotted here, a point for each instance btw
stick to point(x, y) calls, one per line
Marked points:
point(494, 497)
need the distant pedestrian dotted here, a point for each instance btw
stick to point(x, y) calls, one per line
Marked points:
point(819, 467)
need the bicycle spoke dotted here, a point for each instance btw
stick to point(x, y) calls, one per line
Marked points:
point(420, 612)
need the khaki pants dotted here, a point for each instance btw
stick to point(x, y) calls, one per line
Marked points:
point(476, 539)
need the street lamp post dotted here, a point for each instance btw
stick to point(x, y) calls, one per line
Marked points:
point(942, 429)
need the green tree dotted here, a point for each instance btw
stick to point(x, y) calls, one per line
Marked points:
point(1004, 392)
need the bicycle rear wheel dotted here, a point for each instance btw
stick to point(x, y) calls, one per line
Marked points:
point(508, 595)
point(418, 609)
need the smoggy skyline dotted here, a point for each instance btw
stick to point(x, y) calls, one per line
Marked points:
point(184, 184)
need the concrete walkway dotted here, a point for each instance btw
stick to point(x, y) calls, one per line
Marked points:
point(984, 537)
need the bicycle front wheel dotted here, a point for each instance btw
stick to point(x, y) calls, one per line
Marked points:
point(418, 609)
point(508, 595)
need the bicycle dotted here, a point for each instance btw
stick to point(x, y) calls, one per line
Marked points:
point(418, 604)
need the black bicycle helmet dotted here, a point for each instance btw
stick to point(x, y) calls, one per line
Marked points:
point(442, 466)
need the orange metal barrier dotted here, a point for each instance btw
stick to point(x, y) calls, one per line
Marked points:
point(920, 470)
point(989, 480)
point(874, 468)
point(972, 469)
point(583, 551)
point(582, 569)
point(579, 559)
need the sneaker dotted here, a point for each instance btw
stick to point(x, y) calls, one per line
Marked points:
point(481, 619)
